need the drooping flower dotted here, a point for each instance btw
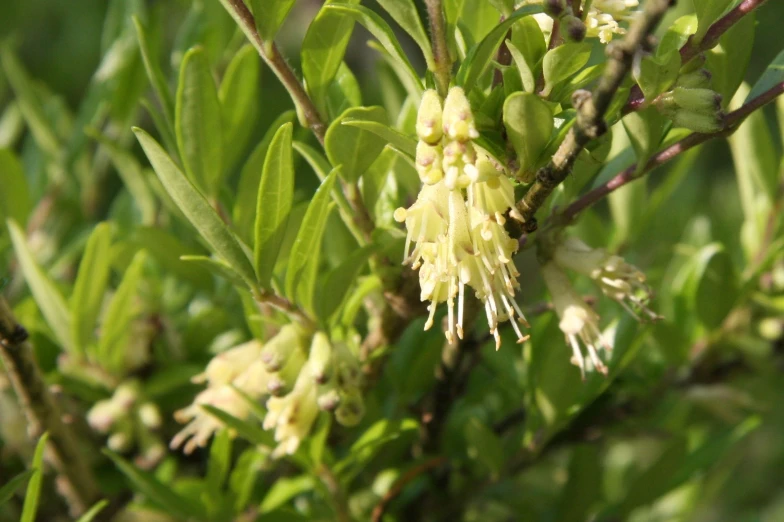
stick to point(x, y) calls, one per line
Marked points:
point(604, 17)
point(578, 322)
point(617, 279)
point(457, 222)
point(292, 415)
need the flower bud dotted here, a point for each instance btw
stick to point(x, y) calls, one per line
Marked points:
point(428, 163)
point(696, 121)
point(328, 400)
point(150, 416)
point(320, 358)
point(284, 379)
point(699, 79)
point(351, 409)
point(697, 100)
point(278, 349)
point(458, 118)
point(575, 28)
point(119, 442)
point(428, 125)
point(554, 8)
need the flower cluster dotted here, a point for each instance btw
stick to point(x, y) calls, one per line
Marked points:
point(457, 221)
point(300, 380)
point(129, 421)
point(616, 278)
point(691, 103)
point(604, 17)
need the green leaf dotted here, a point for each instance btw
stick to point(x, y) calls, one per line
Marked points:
point(10, 487)
point(480, 56)
point(645, 129)
point(394, 137)
point(196, 208)
point(167, 250)
point(655, 481)
point(383, 33)
point(197, 123)
point(33, 493)
point(343, 92)
point(728, 62)
point(307, 245)
point(529, 125)
point(48, 298)
point(218, 464)
point(244, 476)
point(708, 12)
point(275, 194)
point(159, 493)
point(154, 73)
point(657, 74)
point(245, 429)
point(244, 212)
point(270, 15)
point(562, 62)
point(484, 445)
point(15, 195)
point(527, 77)
point(91, 513)
point(353, 148)
point(773, 75)
point(528, 40)
point(404, 12)
point(677, 34)
point(584, 485)
point(283, 490)
point(31, 107)
point(371, 441)
point(119, 314)
point(323, 49)
point(717, 287)
point(218, 267)
point(339, 282)
point(90, 286)
point(239, 103)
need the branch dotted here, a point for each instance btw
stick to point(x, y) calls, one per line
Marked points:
point(264, 297)
point(691, 49)
point(731, 123)
point(443, 63)
point(270, 53)
point(76, 481)
point(591, 108)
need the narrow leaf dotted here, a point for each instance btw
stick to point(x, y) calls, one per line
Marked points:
point(196, 208)
point(90, 515)
point(10, 487)
point(308, 242)
point(33, 493)
point(154, 73)
point(245, 429)
point(15, 195)
point(479, 57)
point(239, 100)
point(397, 139)
point(197, 122)
point(529, 125)
point(217, 267)
point(562, 62)
point(158, 492)
point(404, 12)
point(275, 194)
point(48, 298)
point(353, 148)
point(90, 286)
point(270, 15)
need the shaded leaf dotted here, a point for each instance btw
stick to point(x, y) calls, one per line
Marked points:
point(90, 286)
point(353, 148)
point(529, 125)
point(33, 493)
point(239, 103)
point(270, 15)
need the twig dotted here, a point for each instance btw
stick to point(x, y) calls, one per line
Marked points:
point(78, 486)
point(270, 53)
point(691, 49)
point(442, 61)
point(732, 121)
point(402, 482)
point(591, 108)
point(263, 297)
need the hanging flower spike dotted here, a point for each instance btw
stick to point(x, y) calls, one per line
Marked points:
point(293, 414)
point(604, 16)
point(617, 279)
point(459, 242)
point(578, 322)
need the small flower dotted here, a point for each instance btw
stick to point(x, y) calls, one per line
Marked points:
point(604, 17)
point(201, 425)
point(429, 126)
point(616, 278)
point(578, 322)
point(458, 118)
point(293, 415)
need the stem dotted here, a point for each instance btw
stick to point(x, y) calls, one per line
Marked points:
point(76, 481)
point(285, 306)
point(691, 49)
point(270, 53)
point(591, 108)
point(443, 64)
point(732, 122)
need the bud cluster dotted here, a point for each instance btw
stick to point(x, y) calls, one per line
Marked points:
point(691, 103)
point(604, 17)
point(457, 222)
point(129, 421)
point(299, 379)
